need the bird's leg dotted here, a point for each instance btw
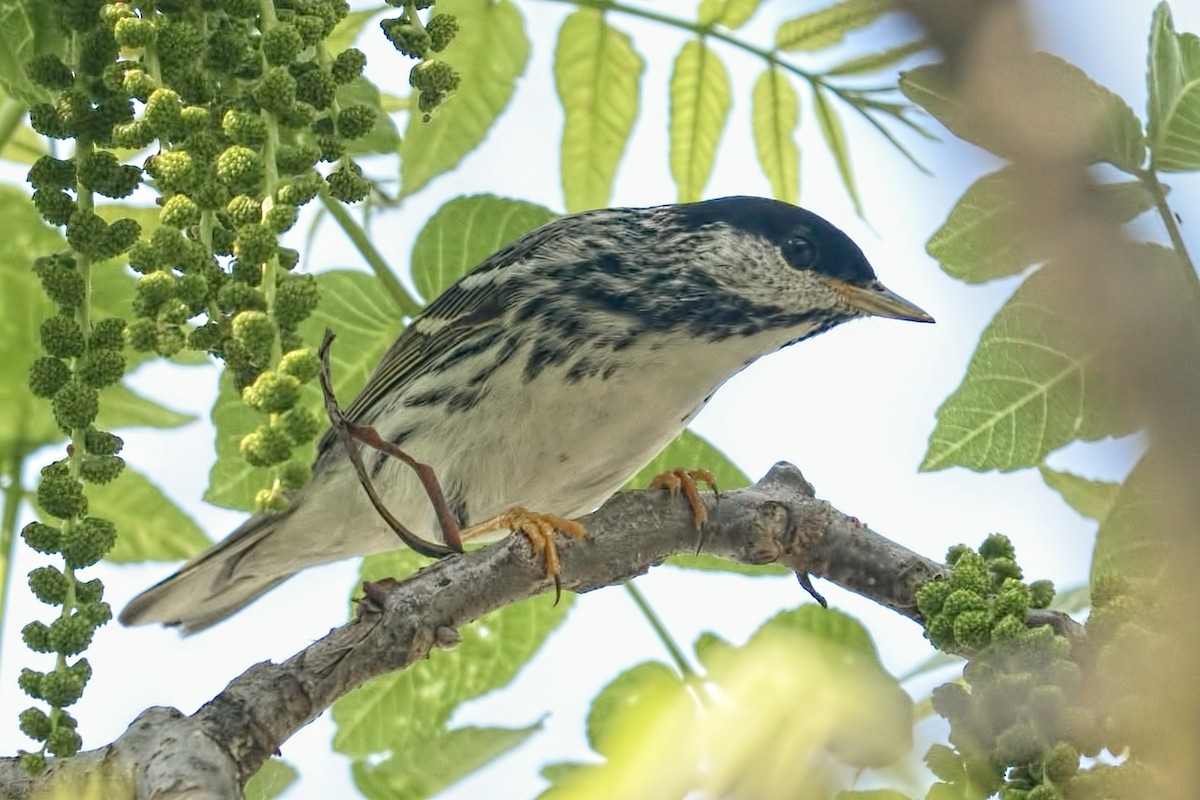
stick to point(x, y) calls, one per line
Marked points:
point(677, 480)
point(352, 433)
point(538, 529)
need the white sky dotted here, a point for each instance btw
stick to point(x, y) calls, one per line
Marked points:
point(858, 432)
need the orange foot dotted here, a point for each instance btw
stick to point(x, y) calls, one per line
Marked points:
point(685, 479)
point(537, 528)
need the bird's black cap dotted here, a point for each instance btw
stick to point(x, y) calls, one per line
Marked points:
point(837, 254)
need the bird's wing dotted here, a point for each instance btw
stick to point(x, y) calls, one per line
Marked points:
point(451, 318)
point(474, 302)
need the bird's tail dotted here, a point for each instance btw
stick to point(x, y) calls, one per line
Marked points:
point(211, 586)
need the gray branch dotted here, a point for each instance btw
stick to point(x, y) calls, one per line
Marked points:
point(212, 753)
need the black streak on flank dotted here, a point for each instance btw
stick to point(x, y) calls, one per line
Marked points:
point(430, 398)
point(458, 507)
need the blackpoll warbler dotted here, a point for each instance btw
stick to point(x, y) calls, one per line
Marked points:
point(548, 376)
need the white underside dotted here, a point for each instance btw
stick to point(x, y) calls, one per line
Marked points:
point(563, 450)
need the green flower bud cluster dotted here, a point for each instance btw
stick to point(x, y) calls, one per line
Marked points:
point(234, 115)
point(82, 541)
point(982, 600)
point(433, 79)
point(1018, 724)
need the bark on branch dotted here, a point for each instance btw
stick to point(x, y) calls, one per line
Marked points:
point(212, 753)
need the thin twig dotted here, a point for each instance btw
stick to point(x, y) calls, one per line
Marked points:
point(351, 435)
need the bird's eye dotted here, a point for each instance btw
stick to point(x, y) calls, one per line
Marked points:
point(800, 252)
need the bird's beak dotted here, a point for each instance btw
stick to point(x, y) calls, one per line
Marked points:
point(879, 301)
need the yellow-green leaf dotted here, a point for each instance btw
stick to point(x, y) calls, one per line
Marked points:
point(835, 138)
point(774, 115)
point(1092, 499)
point(27, 28)
point(1130, 539)
point(691, 451)
point(829, 25)
point(597, 73)
point(1165, 76)
point(873, 62)
point(346, 33)
point(489, 52)
point(649, 681)
point(22, 145)
point(397, 712)
point(699, 109)
point(1173, 87)
point(464, 232)
point(1036, 381)
point(150, 526)
point(1178, 149)
point(383, 136)
point(730, 14)
point(1073, 109)
point(430, 765)
point(986, 236)
point(272, 779)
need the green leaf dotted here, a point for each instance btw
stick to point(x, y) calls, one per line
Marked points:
point(710, 649)
point(935, 661)
point(1174, 95)
point(1131, 538)
point(1072, 600)
point(828, 26)
point(699, 109)
point(987, 236)
point(346, 33)
point(1092, 499)
point(27, 28)
point(774, 115)
point(598, 74)
point(396, 713)
point(272, 780)
point(366, 320)
point(731, 14)
point(27, 422)
point(1072, 109)
point(832, 627)
point(835, 139)
point(464, 232)
point(391, 103)
point(489, 72)
point(707, 563)
point(150, 526)
point(121, 407)
point(981, 240)
point(22, 146)
point(383, 136)
point(437, 763)
point(1036, 381)
point(627, 694)
point(691, 451)
point(1165, 76)
point(882, 730)
point(873, 62)
point(1177, 149)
